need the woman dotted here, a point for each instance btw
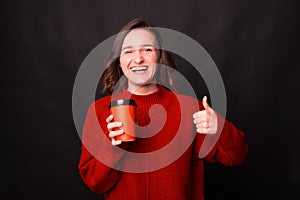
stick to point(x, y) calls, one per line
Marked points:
point(137, 54)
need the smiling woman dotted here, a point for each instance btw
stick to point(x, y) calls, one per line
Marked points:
point(138, 56)
point(137, 44)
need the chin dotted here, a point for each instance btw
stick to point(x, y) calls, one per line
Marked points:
point(144, 82)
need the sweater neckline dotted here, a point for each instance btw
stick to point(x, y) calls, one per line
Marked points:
point(160, 96)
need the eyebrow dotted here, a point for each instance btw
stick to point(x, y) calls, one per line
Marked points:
point(144, 45)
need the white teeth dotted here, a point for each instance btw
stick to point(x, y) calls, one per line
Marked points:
point(136, 69)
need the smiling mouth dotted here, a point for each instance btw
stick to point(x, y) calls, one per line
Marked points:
point(139, 69)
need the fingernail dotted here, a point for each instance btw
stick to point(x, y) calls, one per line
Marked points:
point(121, 131)
point(119, 123)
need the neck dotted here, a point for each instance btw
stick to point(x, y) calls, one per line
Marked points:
point(143, 90)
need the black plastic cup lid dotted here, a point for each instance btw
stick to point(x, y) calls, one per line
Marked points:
point(121, 102)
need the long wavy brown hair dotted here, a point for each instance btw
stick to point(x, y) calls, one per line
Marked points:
point(113, 73)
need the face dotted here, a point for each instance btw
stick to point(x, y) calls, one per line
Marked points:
point(139, 58)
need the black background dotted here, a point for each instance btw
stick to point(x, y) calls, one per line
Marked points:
point(255, 45)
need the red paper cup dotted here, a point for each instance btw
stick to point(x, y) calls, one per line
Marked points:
point(124, 111)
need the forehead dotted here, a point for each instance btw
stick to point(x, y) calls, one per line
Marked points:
point(139, 37)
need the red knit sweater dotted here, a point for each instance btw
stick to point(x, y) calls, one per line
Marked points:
point(181, 179)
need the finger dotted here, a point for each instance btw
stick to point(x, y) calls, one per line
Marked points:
point(207, 131)
point(200, 114)
point(109, 118)
point(203, 118)
point(115, 142)
point(205, 125)
point(205, 104)
point(202, 125)
point(196, 114)
point(202, 130)
point(113, 134)
point(111, 126)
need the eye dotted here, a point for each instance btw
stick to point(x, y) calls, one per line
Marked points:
point(148, 49)
point(127, 51)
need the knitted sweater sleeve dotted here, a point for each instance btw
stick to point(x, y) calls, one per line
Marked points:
point(99, 160)
point(227, 146)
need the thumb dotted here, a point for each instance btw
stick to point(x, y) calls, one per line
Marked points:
point(205, 104)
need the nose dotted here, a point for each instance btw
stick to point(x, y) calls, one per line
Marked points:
point(138, 58)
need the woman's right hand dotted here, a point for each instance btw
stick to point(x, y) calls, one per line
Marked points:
point(112, 134)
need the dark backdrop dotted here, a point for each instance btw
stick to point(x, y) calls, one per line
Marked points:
point(254, 44)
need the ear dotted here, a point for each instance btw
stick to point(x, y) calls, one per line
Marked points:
point(160, 61)
point(119, 64)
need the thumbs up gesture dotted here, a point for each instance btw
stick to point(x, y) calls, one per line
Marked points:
point(206, 120)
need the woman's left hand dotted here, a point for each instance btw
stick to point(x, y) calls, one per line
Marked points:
point(206, 120)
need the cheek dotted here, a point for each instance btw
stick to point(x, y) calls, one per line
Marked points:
point(153, 58)
point(124, 61)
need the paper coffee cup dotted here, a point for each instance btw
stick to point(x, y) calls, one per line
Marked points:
point(124, 111)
